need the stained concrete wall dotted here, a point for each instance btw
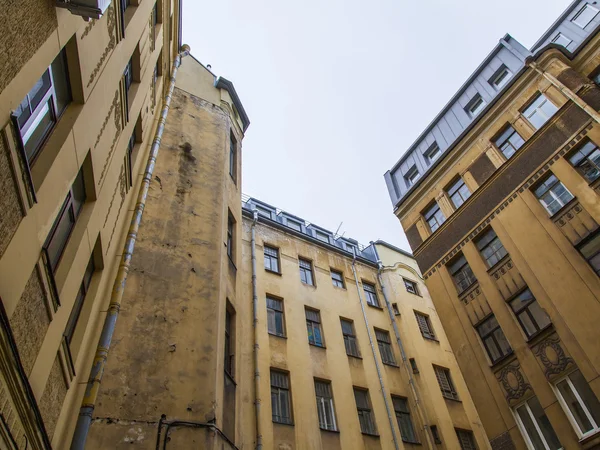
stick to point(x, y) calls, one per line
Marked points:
point(168, 351)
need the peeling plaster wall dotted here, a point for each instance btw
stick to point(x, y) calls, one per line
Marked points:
point(167, 354)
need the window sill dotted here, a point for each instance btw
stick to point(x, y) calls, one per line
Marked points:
point(465, 290)
point(452, 399)
point(502, 360)
point(290, 424)
point(589, 442)
point(308, 285)
point(273, 272)
point(330, 431)
point(431, 339)
point(340, 287)
point(535, 337)
point(354, 356)
point(277, 335)
point(411, 442)
point(376, 307)
point(317, 346)
point(369, 434)
point(396, 366)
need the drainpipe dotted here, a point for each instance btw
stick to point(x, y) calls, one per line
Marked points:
point(383, 393)
point(405, 363)
point(565, 90)
point(259, 444)
point(84, 420)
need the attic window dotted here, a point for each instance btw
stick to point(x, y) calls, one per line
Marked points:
point(411, 176)
point(585, 16)
point(433, 152)
point(500, 77)
point(475, 105)
point(561, 39)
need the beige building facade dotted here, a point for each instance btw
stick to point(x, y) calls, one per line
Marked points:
point(79, 105)
point(503, 222)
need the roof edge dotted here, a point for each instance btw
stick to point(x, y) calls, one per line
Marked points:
point(224, 83)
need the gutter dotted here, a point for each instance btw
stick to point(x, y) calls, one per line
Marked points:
point(257, 399)
point(90, 397)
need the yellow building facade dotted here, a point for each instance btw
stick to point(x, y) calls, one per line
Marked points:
point(503, 222)
point(79, 105)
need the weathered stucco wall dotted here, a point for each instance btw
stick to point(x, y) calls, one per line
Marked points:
point(166, 352)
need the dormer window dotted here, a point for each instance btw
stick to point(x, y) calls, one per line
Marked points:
point(500, 77)
point(322, 236)
point(561, 39)
point(585, 16)
point(475, 105)
point(294, 225)
point(433, 152)
point(411, 176)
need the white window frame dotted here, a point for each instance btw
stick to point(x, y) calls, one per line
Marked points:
point(538, 110)
point(322, 404)
point(475, 106)
point(558, 37)
point(568, 412)
point(522, 429)
point(580, 12)
point(412, 176)
point(433, 152)
point(502, 74)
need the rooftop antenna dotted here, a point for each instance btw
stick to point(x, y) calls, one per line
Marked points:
point(338, 229)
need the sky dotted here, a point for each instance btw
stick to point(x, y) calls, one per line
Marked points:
point(337, 91)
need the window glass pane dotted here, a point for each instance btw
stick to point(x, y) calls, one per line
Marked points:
point(539, 315)
point(587, 395)
point(78, 191)
point(544, 424)
point(60, 236)
point(527, 324)
point(530, 429)
point(574, 406)
point(38, 130)
point(60, 80)
point(585, 16)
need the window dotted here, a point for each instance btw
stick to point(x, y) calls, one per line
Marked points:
point(232, 157)
point(365, 415)
point(129, 159)
point(325, 409)
point(275, 317)
point(411, 286)
point(462, 273)
point(586, 161)
point(509, 141)
point(81, 294)
point(561, 39)
point(350, 341)
point(313, 326)
point(580, 403)
point(434, 217)
point(338, 279)
point(155, 14)
point(590, 250)
point(385, 347)
point(465, 439)
point(65, 222)
point(433, 152)
point(530, 315)
point(539, 111)
point(435, 434)
point(306, 272)
point(230, 236)
point(128, 75)
point(491, 248)
point(552, 194)
point(585, 16)
point(371, 294)
point(229, 354)
point(294, 225)
point(475, 105)
point(493, 339)
point(413, 365)
point(271, 259)
point(425, 325)
point(458, 192)
point(395, 309)
point(411, 176)
point(500, 77)
point(324, 237)
point(443, 376)
point(281, 407)
point(536, 427)
point(407, 431)
point(38, 113)
point(263, 211)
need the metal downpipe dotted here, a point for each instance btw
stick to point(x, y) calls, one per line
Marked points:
point(84, 421)
point(383, 393)
point(405, 363)
point(259, 444)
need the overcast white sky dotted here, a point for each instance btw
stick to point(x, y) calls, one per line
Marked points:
point(337, 90)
